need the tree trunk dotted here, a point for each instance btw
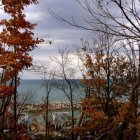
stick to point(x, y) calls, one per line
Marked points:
point(47, 120)
point(15, 106)
point(72, 114)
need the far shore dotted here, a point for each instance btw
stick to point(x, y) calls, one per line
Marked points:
point(52, 106)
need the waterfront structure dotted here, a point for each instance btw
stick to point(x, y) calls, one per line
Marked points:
point(33, 114)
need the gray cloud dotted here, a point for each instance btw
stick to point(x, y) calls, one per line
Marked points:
point(49, 28)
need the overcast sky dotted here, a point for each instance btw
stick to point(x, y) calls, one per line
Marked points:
point(61, 34)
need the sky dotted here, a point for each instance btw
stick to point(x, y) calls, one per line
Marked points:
point(62, 35)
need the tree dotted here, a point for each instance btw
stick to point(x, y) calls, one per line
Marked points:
point(48, 77)
point(23, 100)
point(107, 78)
point(124, 26)
point(48, 84)
point(4, 102)
point(68, 85)
point(16, 42)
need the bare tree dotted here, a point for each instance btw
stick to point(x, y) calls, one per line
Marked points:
point(48, 77)
point(124, 23)
point(48, 84)
point(24, 98)
point(68, 84)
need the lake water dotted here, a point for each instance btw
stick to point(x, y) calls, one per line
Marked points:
point(37, 88)
point(37, 91)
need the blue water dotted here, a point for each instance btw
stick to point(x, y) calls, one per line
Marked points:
point(38, 89)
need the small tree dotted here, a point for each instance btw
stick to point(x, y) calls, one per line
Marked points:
point(48, 77)
point(48, 80)
point(68, 84)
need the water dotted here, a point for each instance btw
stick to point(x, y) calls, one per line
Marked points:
point(38, 89)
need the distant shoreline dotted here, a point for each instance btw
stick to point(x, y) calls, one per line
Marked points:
point(52, 106)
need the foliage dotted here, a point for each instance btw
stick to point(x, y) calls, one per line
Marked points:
point(107, 107)
point(16, 42)
point(16, 39)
